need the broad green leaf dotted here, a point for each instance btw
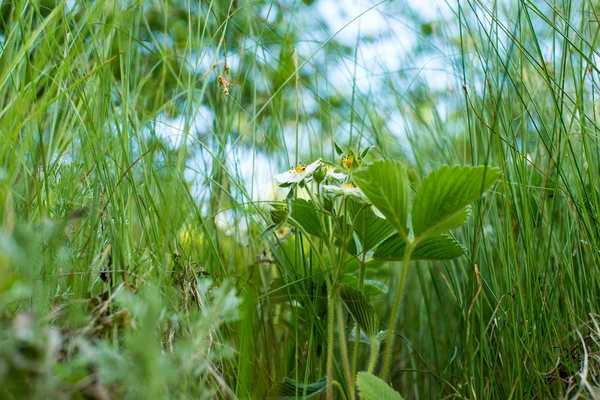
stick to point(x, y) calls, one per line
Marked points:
point(361, 310)
point(391, 249)
point(350, 246)
point(363, 338)
point(369, 228)
point(289, 389)
point(442, 199)
point(305, 214)
point(386, 185)
point(371, 287)
point(442, 247)
point(381, 336)
point(371, 387)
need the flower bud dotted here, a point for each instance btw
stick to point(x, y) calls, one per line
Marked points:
point(319, 174)
point(279, 213)
point(350, 161)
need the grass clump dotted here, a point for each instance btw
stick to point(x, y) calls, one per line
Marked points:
point(440, 241)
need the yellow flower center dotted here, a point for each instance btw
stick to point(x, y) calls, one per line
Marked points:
point(300, 168)
point(283, 231)
point(348, 186)
point(349, 160)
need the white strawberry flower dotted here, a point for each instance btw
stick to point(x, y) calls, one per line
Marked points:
point(332, 175)
point(348, 189)
point(298, 173)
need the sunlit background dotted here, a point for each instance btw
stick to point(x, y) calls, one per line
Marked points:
point(384, 53)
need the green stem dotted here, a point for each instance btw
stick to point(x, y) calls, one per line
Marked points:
point(355, 351)
point(344, 347)
point(330, 326)
point(345, 241)
point(394, 314)
point(332, 297)
point(330, 308)
point(374, 354)
point(361, 284)
point(341, 389)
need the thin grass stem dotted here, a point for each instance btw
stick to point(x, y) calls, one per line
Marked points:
point(394, 315)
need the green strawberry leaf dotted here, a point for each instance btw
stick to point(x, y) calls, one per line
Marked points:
point(361, 310)
point(371, 387)
point(289, 389)
point(386, 185)
point(442, 247)
point(305, 215)
point(370, 229)
point(442, 199)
